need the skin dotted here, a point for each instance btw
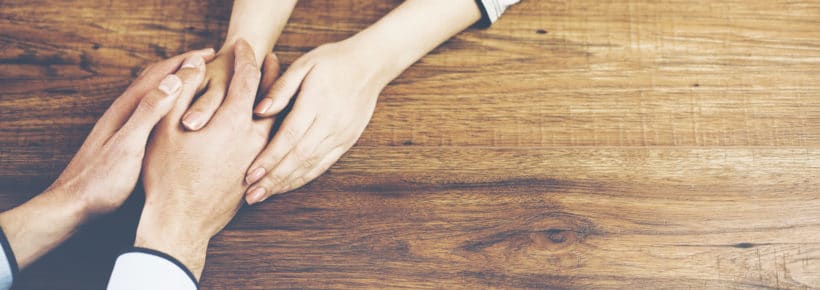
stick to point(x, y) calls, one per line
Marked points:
point(336, 87)
point(259, 22)
point(104, 171)
point(194, 180)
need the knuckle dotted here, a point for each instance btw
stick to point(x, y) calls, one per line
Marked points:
point(302, 155)
point(310, 162)
point(290, 133)
point(275, 179)
point(276, 157)
point(149, 103)
point(248, 68)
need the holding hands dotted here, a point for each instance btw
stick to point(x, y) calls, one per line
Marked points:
point(205, 155)
point(194, 180)
point(104, 171)
point(335, 87)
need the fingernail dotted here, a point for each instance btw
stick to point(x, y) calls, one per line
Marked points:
point(193, 120)
point(170, 84)
point(255, 175)
point(193, 61)
point(256, 194)
point(264, 105)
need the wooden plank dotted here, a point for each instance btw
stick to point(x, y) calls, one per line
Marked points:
point(511, 217)
point(576, 144)
point(612, 74)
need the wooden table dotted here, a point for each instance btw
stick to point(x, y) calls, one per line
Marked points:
point(575, 144)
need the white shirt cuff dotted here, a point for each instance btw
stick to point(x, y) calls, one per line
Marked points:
point(143, 268)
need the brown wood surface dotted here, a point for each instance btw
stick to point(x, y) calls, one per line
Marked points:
point(575, 144)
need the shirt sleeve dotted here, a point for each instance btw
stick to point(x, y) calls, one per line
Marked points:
point(491, 10)
point(142, 268)
point(8, 263)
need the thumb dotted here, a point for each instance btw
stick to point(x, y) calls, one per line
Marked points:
point(283, 90)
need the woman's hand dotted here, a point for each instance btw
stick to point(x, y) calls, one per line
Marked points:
point(194, 181)
point(212, 90)
point(337, 86)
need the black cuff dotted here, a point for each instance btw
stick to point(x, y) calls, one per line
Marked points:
point(484, 22)
point(9, 254)
point(166, 257)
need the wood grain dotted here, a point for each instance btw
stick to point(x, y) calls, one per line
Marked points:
point(576, 144)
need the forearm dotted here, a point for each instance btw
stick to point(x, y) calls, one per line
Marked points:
point(260, 22)
point(413, 29)
point(41, 224)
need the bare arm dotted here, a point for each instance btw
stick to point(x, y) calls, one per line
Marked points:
point(413, 29)
point(259, 22)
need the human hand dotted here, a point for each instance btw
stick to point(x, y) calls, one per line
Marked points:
point(337, 86)
point(194, 180)
point(213, 90)
point(104, 171)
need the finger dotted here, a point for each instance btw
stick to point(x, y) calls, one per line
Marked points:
point(302, 156)
point(305, 155)
point(293, 128)
point(192, 75)
point(153, 74)
point(151, 109)
point(317, 170)
point(121, 109)
point(270, 71)
point(245, 81)
point(205, 106)
point(159, 102)
point(258, 192)
point(278, 97)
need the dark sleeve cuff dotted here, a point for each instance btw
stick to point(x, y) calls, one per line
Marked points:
point(485, 20)
point(4, 241)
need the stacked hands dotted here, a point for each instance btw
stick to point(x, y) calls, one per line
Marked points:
point(197, 127)
point(335, 95)
point(199, 157)
point(193, 180)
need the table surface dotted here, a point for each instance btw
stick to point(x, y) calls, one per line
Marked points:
point(575, 144)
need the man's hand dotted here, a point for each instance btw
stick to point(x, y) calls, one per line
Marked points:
point(105, 170)
point(194, 180)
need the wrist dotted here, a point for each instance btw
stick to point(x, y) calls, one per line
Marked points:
point(173, 235)
point(381, 63)
point(399, 39)
point(40, 224)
